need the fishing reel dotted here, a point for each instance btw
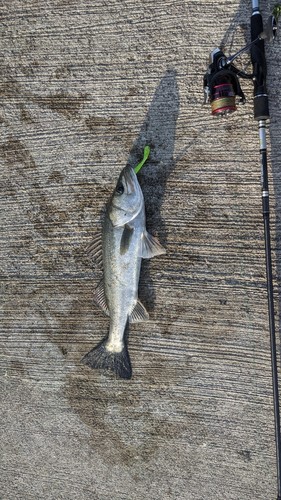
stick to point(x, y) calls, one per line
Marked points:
point(221, 81)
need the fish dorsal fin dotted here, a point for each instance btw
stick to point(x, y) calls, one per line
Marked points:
point(126, 238)
point(94, 249)
point(150, 246)
point(139, 313)
point(100, 298)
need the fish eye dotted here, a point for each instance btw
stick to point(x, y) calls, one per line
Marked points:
point(119, 188)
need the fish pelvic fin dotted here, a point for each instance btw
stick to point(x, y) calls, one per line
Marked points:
point(118, 362)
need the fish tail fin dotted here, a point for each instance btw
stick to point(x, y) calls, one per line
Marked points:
point(101, 357)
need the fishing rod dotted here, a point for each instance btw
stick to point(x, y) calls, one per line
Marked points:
point(221, 86)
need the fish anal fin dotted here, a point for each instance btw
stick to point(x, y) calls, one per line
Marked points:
point(100, 298)
point(150, 246)
point(139, 313)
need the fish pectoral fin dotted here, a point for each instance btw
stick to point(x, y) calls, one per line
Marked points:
point(94, 250)
point(139, 313)
point(150, 246)
point(126, 239)
point(100, 298)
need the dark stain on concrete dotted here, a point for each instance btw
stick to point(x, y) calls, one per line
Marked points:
point(133, 91)
point(62, 102)
point(15, 153)
point(64, 350)
point(94, 122)
point(56, 177)
point(245, 455)
point(9, 86)
point(163, 370)
point(46, 216)
point(125, 428)
point(63, 72)
point(25, 115)
point(16, 368)
point(7, 188)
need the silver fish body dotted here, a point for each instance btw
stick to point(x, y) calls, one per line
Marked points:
point(125, 242)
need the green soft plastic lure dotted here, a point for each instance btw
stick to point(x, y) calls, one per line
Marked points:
point(146, 152)
point(277, 11)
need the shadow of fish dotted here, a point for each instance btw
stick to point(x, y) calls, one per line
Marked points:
point(124, 243)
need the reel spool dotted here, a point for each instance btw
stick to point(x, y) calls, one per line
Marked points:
point(223, 99)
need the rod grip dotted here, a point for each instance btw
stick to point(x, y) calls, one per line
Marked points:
point(261, 109)
point(256, 25)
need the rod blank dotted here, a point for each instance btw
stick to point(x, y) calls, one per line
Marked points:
point(261, 113)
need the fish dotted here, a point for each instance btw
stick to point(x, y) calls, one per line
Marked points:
point(124, 243)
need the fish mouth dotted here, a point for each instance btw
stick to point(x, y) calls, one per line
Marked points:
point(130, 179)
point(131, 200)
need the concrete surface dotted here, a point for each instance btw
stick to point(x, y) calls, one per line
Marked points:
point(84, 86)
